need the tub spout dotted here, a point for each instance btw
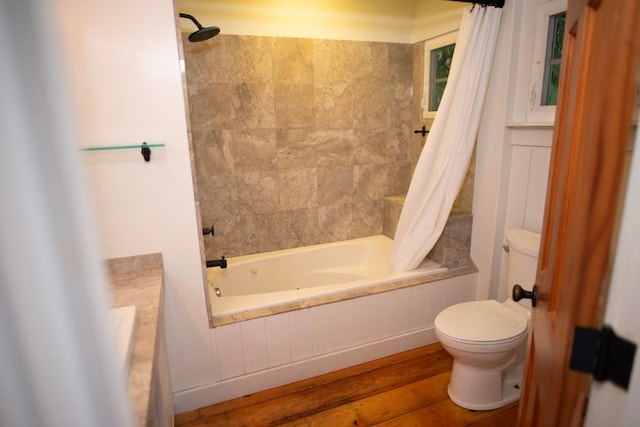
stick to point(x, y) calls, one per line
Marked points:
point(222, 263)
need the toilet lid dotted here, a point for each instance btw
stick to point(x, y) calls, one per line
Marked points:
point(481, 321)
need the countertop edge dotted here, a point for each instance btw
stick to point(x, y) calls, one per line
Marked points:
point(143, 288)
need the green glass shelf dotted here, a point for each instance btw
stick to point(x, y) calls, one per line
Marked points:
point(145, 149)
point(121, 147)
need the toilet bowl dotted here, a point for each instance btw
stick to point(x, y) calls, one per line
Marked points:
point(487, 339)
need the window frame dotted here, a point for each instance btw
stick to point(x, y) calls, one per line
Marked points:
point(536, 112)
point(430, 45)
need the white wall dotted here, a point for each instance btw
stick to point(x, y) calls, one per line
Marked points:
point(492, 163)
point(123, 67)
point(527, 186)
point(530, 158)
point(609, 404)
point(436, 17)
point(512, 159)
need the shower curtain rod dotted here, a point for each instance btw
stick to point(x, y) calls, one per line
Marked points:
point(484, 3)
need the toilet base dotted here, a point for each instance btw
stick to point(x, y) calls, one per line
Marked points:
point(483, 389)
point(510, 394)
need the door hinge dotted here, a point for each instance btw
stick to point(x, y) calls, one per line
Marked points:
point(603, 354)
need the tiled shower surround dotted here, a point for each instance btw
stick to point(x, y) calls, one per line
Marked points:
point(297, 141)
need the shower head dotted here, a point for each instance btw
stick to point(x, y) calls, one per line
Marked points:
point(202, 33)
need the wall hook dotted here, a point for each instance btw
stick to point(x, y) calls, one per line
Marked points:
point(146, 152)
point(422, 131)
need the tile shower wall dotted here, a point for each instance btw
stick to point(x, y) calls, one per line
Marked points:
point(297, 141)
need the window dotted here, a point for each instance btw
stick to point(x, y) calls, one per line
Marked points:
point(553, 56)
point(440, 63)
point(547, 56)
point(438, 53)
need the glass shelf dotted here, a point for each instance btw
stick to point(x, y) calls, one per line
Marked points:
point(145, 149)
point(121, 147)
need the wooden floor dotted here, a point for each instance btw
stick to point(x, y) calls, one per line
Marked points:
point(407, 389)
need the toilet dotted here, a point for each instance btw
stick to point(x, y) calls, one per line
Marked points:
point(488, 339)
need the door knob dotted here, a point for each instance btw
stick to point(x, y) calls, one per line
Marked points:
point(518, 293)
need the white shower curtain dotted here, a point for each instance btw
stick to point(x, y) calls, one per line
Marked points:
point(445, 158)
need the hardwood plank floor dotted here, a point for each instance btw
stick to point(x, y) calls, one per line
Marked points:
point(406, 389)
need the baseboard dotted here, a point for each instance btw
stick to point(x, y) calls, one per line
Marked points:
point(188, 400)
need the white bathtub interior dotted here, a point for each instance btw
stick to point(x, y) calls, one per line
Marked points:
point(348, 268)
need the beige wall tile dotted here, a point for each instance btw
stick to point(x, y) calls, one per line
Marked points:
point(297, 141)
point(335, 185)
point(333, 106)
point(298, 188)
point(293, 61)
point(333, 62)
point(334, 222)
point(294, 106)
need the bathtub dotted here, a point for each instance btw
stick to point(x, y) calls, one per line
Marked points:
point(291, 279)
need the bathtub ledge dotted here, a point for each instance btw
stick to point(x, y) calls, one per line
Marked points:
point(229, 318)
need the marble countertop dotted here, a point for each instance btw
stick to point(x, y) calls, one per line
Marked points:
point(138, 281)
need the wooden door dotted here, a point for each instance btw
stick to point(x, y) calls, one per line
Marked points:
point(586, 180)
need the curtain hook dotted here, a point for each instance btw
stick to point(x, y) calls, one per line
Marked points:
point(146, 152)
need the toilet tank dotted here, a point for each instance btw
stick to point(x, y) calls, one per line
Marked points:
point(522, 261)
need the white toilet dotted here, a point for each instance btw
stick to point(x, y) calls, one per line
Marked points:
point(488, 339)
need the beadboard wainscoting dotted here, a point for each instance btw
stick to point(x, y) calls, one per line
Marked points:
point(530, 160)
point(267, 352)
